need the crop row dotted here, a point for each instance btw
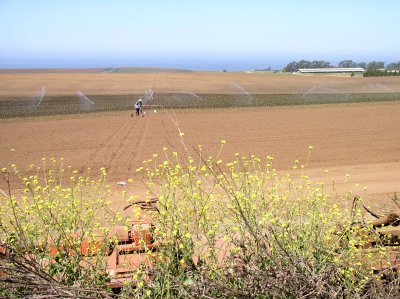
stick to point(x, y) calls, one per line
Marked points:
point(62, 105)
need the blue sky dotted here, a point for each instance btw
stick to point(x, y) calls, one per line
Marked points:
point(174, 33)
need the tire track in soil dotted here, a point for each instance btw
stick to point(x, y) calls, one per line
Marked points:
point(170, 140)
point(123, 144)
point(117, 153)
point(104, 152)
point(139, 145)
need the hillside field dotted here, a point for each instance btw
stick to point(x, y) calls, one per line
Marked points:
point(362, 139)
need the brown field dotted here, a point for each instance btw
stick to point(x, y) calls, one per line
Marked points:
point(49, 71)
point(360, 139)
point(198, 82)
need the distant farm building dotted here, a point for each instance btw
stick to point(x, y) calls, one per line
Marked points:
point(334, 70)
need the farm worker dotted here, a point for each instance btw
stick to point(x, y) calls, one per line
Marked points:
point(138, 107)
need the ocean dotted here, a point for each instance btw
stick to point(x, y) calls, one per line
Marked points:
point(196, 64)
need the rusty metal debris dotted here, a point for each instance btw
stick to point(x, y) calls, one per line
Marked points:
point(126, 254)
point(386, 234)
point(132, 245)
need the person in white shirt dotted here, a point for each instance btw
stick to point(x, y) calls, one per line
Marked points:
point(138, 108)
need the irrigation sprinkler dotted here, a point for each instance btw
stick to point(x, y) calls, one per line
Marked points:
point(193, 94)
point(29, 107)
point(245, 98)
point(185, 99)
point(384, 87)
point(147, 100)
point(82, 96)
point(310, 90)
point(148, 97)
point(85, 101)
point(40, 96)
point(328, 95)
point(320, 89)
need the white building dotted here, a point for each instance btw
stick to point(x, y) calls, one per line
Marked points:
point(333, 70)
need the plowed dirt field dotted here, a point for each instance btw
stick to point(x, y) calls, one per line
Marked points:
point(360, 139)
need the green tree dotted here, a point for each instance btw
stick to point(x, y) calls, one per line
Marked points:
point(393, 66)
point(375, 65)
point(348, 63)
point(363, 65)
point(305, 64)
point(291, 67)
point(320, 64)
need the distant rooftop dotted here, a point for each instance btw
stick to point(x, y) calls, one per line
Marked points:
point(334, 70)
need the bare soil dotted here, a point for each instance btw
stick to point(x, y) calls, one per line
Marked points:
point(50, 71)
point(359, 139)
point(26, 84)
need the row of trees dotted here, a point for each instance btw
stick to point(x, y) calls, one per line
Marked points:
point(393, 66)
point(371, 66)
point(305, 64)
point(381, 73)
